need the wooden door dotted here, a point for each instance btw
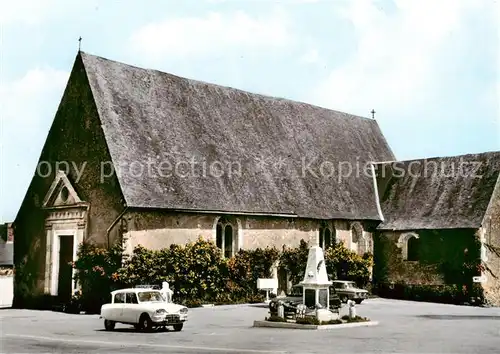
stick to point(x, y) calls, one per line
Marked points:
point(65, 278)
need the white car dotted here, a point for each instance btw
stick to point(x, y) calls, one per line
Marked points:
point(145, 308)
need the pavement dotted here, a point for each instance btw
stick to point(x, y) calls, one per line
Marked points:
point(404, 327)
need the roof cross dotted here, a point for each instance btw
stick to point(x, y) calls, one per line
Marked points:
point(373, 113)
point(79, 43)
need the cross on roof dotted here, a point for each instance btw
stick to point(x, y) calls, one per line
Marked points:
point(373, 113)
point(79, 43)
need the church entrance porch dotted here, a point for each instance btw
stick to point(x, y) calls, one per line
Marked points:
point(65, 226)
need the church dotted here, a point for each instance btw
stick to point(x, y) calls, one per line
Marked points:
point(145, 157)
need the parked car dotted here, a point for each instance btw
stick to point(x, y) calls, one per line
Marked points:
point(295, 297)
point(347, 290)
point(144, 308)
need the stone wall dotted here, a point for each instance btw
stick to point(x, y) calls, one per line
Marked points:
point(440, 257)
point(75, 144)
point(159, 229)
point(490, 236)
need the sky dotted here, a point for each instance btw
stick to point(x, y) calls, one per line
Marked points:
point(430, 69)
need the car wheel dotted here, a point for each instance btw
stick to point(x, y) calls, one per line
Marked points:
point(145, 323)
point(137, 326)
point(178, 327)
point(109, 325)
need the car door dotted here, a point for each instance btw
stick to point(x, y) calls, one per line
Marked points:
point(131, 311)
point(118, 304)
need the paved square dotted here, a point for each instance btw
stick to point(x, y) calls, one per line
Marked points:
point(405, 327)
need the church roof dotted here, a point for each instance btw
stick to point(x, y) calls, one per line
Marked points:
point(437, 193)
point(272, 147)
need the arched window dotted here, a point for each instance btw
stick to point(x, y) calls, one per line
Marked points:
point(366, 244)
point(409, 244)
point(413, 248)
point(356, 232)
point(326, 237)
point(228, 241)
point(219, 235)
point(226, 238)
point(360, 238)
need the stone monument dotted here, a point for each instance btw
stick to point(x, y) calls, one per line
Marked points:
point(316, 286)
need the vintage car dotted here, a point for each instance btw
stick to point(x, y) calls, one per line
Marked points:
point(144, 308)
point(347, 290)
point(295, 298)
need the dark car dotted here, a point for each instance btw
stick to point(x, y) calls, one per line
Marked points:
point(295, 297)
point(347, 290)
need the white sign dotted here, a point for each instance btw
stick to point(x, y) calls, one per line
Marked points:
point(267, 283)
point(481, 279)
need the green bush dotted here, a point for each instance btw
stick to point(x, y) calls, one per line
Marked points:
point(249, 265)
point(275, 318)
point(331, 322)
point(96, 272)
point(449, 294)
point(197, 273)
point(341, 263)
point(307, 320)
point(355, 319)
point(344, 264)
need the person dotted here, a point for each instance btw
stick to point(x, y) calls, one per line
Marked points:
point(166, 292)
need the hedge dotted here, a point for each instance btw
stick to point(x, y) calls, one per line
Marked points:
point(197, 272)
point(448, 294)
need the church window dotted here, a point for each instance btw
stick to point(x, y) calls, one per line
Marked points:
point(409, 244)
point(413, 246)
point(226, 238)
point(356, 232)
point(326, 237)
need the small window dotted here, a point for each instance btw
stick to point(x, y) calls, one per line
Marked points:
point(64, 194)
point(326, 237)
point(119, 298)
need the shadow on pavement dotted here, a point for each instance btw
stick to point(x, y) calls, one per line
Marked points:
point(133, 330)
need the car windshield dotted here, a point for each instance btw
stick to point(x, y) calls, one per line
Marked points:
point(350, 285)
point(150, 296)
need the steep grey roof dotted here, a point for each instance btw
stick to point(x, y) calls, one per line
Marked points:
point(437, 193)
point(153, 116)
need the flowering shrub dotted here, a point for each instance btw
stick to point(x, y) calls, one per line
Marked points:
point(249, 265)
point(344, 264)
point(197, 272)
point(96, 270)
point(341, 263)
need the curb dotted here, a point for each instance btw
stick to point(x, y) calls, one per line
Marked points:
point(268, 324)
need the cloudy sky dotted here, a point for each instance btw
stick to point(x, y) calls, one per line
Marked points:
point(430, 69)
